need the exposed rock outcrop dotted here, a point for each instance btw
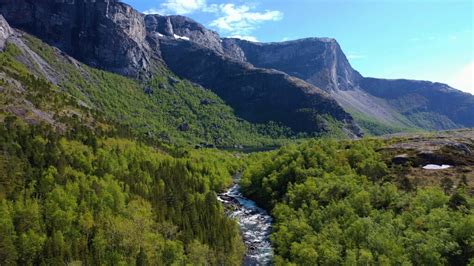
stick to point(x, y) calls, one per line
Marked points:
point(445, 147)
point(105, 34)
point(320, 61)
point(113, 36)
point(256, 94)
point(180, 27)
point(5, 32)
point(394, 103)
point(297, 82)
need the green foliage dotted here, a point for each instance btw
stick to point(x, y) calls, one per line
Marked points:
point(164, 108)
point(432, 121)
point(375, 127)
point(335, 203)
point(111, 201)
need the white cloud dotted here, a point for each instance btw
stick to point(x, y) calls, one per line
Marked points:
point(232, 20)
point(464, 79)
point(241, 20)
point(246, 37)
point(178, 7)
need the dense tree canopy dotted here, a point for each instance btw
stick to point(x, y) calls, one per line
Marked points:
point(110, 201)
point(91, 191)
point(339, 203)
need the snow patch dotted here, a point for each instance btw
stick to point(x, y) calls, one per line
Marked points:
point(436, 167)
point(181, 37)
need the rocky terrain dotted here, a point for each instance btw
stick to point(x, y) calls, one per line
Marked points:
point(454, 149)
point(255, 225)
point(393, 103)
point(5, 32)
point(103, 34)
point(307, 85)
point(113, 36)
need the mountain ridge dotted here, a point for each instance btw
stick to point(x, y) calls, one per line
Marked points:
point(247, 75)
point(135, 52)
point(322, 63)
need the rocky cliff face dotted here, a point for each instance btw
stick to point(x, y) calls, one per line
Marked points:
point(5, 32)
point(256, 94)
point(179, 27)
point(296, 82)
point(393, 103)
point(111, 35)
point(320, 61)
point(102, 33)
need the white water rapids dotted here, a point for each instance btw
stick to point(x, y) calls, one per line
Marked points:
point(255, 225)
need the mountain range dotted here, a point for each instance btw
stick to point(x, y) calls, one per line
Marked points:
point(305, 86)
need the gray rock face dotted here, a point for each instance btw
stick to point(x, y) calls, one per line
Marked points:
point(111, 35)
point(256, 94)
point(5, 32)
point(180, 27)
point(105, 34)
point(320, 61)
point(398, 103)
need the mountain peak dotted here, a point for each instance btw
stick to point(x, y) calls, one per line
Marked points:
point(306, 79)
point(320, 61)
point(181, 27)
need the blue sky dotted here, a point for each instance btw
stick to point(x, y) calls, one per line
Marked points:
point(424, 39)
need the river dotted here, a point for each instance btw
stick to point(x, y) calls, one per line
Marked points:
point(255, 225)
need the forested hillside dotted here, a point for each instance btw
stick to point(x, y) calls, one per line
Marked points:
point(40, 84)
point(79, 184)
point(97, 168)
point(111, 153)
point(343, 203)
point(95, 199)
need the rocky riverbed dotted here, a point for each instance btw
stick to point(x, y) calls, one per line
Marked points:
point(255, 225)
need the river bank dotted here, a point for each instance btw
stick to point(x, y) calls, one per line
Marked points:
point(255, 224)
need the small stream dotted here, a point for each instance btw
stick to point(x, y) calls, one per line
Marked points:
point(255, 225)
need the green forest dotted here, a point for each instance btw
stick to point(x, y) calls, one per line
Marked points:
point(341, 203)
point(110, 201)
point(163, 108)
point(100, 169)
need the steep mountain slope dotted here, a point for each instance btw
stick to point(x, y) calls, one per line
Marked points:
point(395, 104)
point(426, 104)
point(257, 95)
point(307, 85)
point(112, 36)
point(103, 34)
point(76, 187)
point(320, 61)
point(41, 84)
